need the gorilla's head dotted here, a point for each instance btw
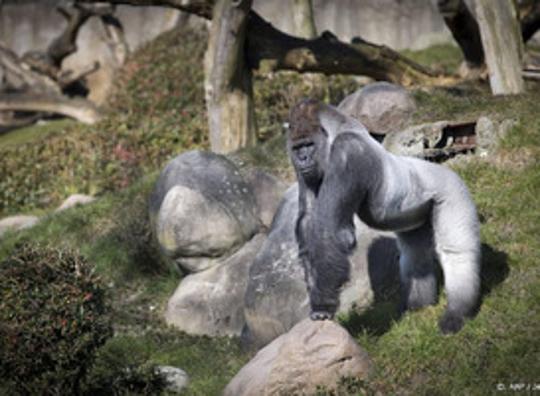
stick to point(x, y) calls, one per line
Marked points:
point(308, 141)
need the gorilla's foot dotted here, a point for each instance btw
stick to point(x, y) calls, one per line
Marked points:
point(451, 322)
point(321, 315)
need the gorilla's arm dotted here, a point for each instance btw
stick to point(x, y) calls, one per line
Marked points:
point(330, 231)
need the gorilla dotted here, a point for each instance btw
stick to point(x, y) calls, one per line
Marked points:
point(343, 171)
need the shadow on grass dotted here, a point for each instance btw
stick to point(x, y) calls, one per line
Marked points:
point(384, 278)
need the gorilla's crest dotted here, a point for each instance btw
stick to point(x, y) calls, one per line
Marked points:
point(304, 120)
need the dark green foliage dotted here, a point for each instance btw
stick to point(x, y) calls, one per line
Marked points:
point(122, 368)
point(53, 317)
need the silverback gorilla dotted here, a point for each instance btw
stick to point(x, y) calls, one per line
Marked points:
point(343, 171)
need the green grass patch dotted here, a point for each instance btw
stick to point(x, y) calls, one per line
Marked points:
point(442, 58)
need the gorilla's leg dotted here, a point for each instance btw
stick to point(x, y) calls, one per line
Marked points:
point(417, 268)
point(457, 245)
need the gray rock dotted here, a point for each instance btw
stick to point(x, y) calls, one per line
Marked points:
point(489, 133)
point(276, 297)
point(268, 191)
point(382, 107)
point(201, 209)
point(211, 302)
point(176, 379)
point(414, 140)
point(18, 222)
point(313, 353)
point(75, 200)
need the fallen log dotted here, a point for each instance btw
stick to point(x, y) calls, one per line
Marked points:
point(78, 108)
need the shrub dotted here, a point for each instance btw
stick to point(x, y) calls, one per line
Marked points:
point(53, 317)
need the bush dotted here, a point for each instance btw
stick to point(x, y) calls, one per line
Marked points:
point(53, 317)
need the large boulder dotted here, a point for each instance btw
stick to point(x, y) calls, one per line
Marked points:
point(211, 302)
point(202, 209)
point(382, 107)
point(276, 297)
point(489, 133)
point(268, 191)
point(312, 354)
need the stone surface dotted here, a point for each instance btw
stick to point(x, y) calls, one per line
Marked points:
point(412, 141)
point(18, 222)
point(276, 297)
point(268, 191)
point(382, 107)
point(176, 379)
point(489, 133)
point(201, 209)
point(313, 353)
point(75, 200)
point(211, 302)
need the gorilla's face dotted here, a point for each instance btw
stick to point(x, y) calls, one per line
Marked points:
point(308, 142)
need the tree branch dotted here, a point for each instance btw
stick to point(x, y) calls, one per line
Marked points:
point(326, 54)
point(79, 109)
point(21, 77)
point(202, 8)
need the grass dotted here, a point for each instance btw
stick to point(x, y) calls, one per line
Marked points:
point(159, 113)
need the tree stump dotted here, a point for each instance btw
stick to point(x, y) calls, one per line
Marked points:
point(228, 82)
point(503, 45)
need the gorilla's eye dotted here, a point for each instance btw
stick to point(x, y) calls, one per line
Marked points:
point(304, 152)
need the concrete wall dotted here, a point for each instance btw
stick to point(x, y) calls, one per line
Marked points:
point(398, 24)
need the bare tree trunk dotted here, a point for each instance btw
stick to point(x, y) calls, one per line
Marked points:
point(304, 21)
point(530, 20)
point(503, 45)
point(115, 38)
point(228, 80)
point(465, 31)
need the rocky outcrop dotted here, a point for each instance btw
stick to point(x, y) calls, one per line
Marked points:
point(211, 302)
point(201, 209)
point(382, 107)
point(312, 354)
point(268, 191)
